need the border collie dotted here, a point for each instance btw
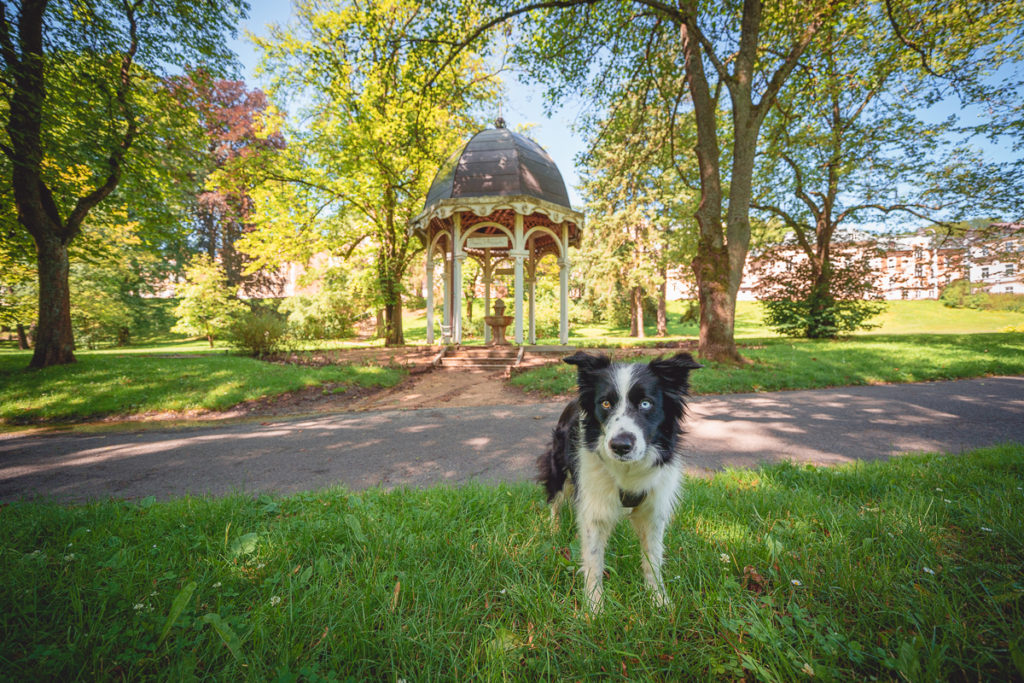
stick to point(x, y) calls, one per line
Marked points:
point(614, 452)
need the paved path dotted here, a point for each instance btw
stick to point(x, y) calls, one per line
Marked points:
point(422, 447)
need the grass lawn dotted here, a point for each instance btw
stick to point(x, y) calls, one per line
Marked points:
point(900, 317)
point(909, 569)
point(174, 377)
point(918, 340)
point(806, 364)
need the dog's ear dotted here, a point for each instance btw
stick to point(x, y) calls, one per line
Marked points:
point(586, 366)
point(674, 371)
point(584, 362)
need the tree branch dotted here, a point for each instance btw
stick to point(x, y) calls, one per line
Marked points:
point(906, 41)
point(85, 204)
point(778, 78)
point(500, 19)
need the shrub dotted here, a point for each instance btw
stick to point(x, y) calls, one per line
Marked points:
point(798, 302)
point(208, 305)
point(259, 333)
point(325, 315)
point(961, 294)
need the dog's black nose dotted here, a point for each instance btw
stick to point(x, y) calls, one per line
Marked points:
point(622, 443)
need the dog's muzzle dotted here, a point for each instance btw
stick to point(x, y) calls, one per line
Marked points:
point(621, 445)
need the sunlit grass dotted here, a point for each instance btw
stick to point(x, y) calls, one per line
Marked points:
point(889, 571)
point(111, 383)
point(808, 364)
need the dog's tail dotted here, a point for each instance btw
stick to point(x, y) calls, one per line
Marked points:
point(553, 463)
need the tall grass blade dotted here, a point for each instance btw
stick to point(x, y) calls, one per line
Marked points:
point(177, 607)
point(226, 633)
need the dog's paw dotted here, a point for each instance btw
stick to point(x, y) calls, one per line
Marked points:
point(660, 598)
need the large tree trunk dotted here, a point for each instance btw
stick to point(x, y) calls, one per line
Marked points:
point(393, 333)
point(717, 306)
point(636, 316)
point(663, 304)
point(55, 342)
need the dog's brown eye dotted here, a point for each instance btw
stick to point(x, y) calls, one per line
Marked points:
point(607, 405)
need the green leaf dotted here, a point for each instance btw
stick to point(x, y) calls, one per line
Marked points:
point(355, 528)
point(226, 633)
point(244, 545)
point(177, 607)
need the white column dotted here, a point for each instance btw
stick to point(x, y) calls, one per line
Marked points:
point(488, 276)
point(563, 286)
point(563, 282)
point(519, 253)
point(458, 256)
point(430, 296)
point(531, 285)
point(446, 318)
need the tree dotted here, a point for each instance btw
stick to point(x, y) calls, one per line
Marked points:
point(74, 78)
point(797, 305)
point(374, 133)
point(745, 50)
point(641, 189)
point(231, 117)
point(848, 144)
point(209, 304)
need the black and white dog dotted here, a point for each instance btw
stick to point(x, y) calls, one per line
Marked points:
point(615, 451)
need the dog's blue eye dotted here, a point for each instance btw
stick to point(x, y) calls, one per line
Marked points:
point(646, 405)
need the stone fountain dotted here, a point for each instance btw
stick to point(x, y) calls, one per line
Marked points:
point(498, 322)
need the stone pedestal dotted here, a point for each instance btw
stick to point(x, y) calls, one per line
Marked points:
point(498, 322)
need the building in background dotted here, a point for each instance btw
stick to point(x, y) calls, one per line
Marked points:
point(914, 266)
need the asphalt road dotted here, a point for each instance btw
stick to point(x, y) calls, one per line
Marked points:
point(424, 447)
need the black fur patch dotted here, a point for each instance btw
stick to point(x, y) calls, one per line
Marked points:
point(663, 383)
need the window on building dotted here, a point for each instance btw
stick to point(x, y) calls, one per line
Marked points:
point(984, 272)
point(1008, 289)
point(919, 270)
point(1009, 269)
point(903, 293)
point(918, 252)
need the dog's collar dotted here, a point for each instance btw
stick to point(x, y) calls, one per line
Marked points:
point(630, 499)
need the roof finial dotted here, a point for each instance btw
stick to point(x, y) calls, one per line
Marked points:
point(500, 121)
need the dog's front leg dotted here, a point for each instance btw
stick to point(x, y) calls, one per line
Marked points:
point(650, 528)
point(594, 534)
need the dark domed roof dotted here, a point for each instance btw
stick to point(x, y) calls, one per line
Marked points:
point(498, 162)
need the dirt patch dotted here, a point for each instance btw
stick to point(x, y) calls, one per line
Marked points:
point(448, 387)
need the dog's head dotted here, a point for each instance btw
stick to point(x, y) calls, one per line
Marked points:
point(631, 407)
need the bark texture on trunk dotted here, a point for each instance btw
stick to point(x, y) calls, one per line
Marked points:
point(55, 343)
point(663, 304)
point(394, 335)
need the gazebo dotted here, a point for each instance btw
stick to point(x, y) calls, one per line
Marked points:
point(499, 198)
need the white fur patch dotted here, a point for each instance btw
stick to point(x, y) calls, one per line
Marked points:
point(618, 421)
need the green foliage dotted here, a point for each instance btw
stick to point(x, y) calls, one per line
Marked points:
point(803, 300)
point(84, 109)
point(207, 305)
point(331, 311)
point(960, 294)
point(259, 333)
point(906, 569)
point(102, 310)
point(378, 115)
